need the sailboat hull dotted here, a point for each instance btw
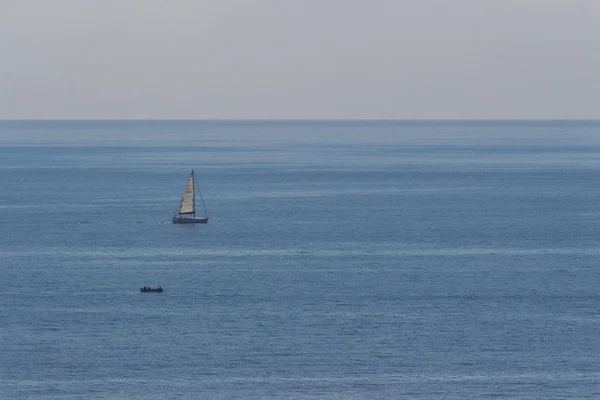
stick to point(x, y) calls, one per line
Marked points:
point(177, 220)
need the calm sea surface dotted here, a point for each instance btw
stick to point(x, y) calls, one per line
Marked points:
point(342, 260)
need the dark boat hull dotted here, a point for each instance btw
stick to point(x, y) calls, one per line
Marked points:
point(176, 220)
point(151, 290)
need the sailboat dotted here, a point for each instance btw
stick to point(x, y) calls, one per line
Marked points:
point(186, 214)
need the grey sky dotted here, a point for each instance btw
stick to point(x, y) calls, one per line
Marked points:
point(299, 59)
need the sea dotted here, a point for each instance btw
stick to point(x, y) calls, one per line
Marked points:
point(429, 260)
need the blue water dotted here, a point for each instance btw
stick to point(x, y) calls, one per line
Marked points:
point(342, 260)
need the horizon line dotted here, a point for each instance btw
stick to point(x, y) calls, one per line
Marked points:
point(301, 119)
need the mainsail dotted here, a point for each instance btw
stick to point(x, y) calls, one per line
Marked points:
point(188, 201)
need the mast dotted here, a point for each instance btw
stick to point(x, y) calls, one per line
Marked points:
point(193, 179)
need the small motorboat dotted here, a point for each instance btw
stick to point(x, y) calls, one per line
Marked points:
point(147, 289)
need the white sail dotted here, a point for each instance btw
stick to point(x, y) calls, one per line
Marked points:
point(188, 201)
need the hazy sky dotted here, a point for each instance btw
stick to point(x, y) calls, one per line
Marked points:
point(299, 59)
